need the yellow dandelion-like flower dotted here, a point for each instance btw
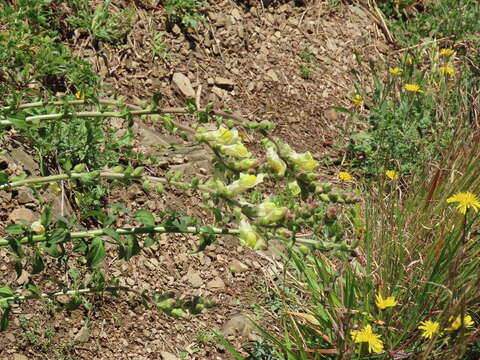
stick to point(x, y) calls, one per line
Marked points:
point(409, 60)
point(465, 201)
point(447, 52)
point(345, 176)
point(457, 323)
point(367, 335)
point(79, 95)
point(391, 174)
point(358, 100)
point(396, 71)
point(385, 303)
point(413, 88)
point(447, 70)
point(429, 328)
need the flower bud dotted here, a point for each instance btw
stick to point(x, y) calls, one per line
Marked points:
point(294, 188)
point(37, 228)
point(245, 164)
point(274, 162)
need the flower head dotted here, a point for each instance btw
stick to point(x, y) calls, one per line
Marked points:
point(447, 52)
point(465, 201)
point(429, 328)
point(245, 164)
point(447, 70)
point(413, 88)
point(249, 237)
point(221, 136)
point(269, 213)
point(345, 176)
point(274, 161)
point(304, 162)
point(368, 336)
point(385, 303)
point(245, 182)
point(391, 174)
point(457, 323)
point(79, 95)
point(237, 150)
point(357, 100)
point(396, 71)
point(294, 188)
point(409, 60)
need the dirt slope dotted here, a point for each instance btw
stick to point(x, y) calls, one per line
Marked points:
point(246, 59)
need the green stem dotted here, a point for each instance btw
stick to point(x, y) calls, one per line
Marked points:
point(103, 174)
point(18, 298)
point(125, 231)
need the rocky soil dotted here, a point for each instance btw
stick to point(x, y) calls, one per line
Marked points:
point(285, 63)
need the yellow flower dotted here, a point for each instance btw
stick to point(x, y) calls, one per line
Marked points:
point(447, 70)
point(304, 162)
point(245, 164)
point(429, 328)
point(447, 52)
point(391, 174)
point(396, 71)
point(457, 323)
point(409, 60)
point(274, 161)
point(245, 182)
point(221, 136)
point(294, 188)
point(413, 88)
point(249, 237)
point(385, 303)
point(269, 213)
point(358, 100)
point(237, 150)
point(465, 201)
point(79, 95)
point(368, 336)
point(345, 176)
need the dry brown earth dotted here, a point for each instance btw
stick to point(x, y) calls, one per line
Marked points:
point(245, 59)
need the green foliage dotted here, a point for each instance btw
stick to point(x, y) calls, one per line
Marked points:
point(185, 12)
point(32, 59)
point(456, 20)
point(308, 65)
point(101, 23)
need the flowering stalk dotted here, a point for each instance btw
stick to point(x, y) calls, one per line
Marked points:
point(126, 231)
point(18, 298)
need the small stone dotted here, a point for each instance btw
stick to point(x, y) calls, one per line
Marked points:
point(237, 325)
point(25, 196)
point(82, 335)
point(176, 29)
point(219, 92)
point(272, 75)
point(194, 279)
point(19, 357)
point(224, 82)
point(216, 284)
point(183, 85)
point(238, 267)
point(168, 356)
point(22, 214)
point(63, 299)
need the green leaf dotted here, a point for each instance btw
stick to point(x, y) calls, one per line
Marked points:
point(343, 110)
point(16, 247)
point(112, 233)
point(128, 247)
point(37, 263)
point(3, 178)
point(145, 217)
point(18, 268)
point(15, 229)
point(207, 237)
point(96, 253)
point(5, 319)
point(5, 292)
point(149, 241)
